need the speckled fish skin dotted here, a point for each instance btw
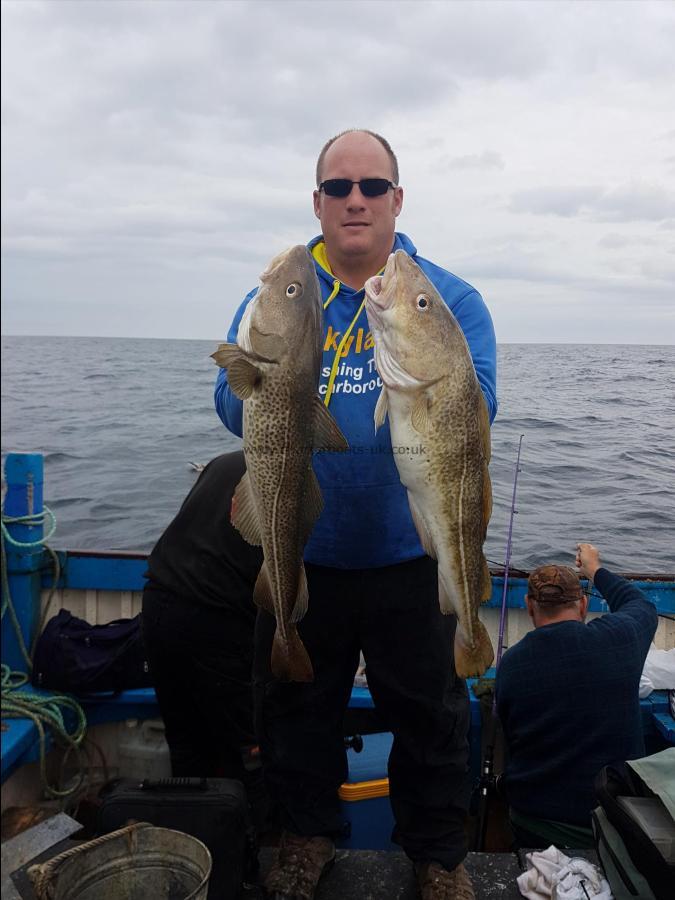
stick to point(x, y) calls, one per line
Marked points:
point(275, 368)
point(441, 433)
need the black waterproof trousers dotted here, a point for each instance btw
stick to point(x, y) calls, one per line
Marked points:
point(393, 615)
point(201, 659)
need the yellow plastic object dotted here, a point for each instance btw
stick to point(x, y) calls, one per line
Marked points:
point(364, 790)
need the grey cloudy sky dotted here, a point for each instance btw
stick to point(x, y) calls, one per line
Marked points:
point(156, 154)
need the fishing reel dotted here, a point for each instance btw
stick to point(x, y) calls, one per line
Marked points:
point(487, 783)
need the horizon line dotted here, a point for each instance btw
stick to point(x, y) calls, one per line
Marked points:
point(124, 337)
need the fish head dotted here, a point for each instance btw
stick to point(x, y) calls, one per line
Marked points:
point(412, 327)
point(286, 311)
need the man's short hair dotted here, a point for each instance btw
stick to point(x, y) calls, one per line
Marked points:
point(378, 137)
point(554, 586)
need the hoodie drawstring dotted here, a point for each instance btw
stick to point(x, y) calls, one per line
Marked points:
point(333, 293)
point(345, 338)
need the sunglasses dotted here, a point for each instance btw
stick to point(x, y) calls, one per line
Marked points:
point(369, 187)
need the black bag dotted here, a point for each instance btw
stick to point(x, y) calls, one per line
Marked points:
point(634, 865)
point(72, 655)
point(214, 810)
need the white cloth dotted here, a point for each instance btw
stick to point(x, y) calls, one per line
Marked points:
point(658, 673)
point(579, 879)
point(537, 882)
point(554, 876)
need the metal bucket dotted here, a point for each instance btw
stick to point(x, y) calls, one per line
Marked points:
point(139, 862)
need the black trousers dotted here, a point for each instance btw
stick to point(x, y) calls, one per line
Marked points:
point(201, 661)
point(393, 615)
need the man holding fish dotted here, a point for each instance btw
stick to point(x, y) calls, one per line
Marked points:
point(366, 548)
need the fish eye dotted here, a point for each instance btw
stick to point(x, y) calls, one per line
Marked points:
point(294, 289)
point(422, 302)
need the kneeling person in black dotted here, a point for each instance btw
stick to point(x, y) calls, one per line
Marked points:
point(198, 620)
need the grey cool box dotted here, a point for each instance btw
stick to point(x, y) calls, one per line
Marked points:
point(653, 818)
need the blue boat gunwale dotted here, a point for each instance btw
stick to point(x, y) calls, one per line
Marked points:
point(20, 743)
point(123, 570)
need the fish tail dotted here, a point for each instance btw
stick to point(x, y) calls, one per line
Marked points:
point(290, 660)
point(471, 661)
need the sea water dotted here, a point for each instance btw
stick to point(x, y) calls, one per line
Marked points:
point(120, 420)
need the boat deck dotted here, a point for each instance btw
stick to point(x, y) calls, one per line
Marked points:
point(356, 875)
point(388, 875)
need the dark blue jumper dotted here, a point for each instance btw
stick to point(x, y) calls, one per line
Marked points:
point(567, 698)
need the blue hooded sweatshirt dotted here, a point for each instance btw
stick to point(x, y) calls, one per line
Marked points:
point(366, 520)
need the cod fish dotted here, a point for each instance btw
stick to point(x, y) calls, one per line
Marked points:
point(274, 368)
point(438, 413)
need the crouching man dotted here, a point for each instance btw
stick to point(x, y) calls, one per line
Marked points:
point(567, 698)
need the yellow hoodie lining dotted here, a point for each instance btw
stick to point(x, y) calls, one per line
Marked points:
point(319, 254)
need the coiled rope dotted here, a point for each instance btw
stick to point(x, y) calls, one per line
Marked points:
point(43, 709)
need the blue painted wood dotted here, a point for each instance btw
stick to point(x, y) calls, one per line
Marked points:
point(24, 478)
point(85, 570)
point(140, 703)
point(21, 742)
point(660, 591)
point(19, 745)
point(124, 572)
point(361, 698)
point(665, 724)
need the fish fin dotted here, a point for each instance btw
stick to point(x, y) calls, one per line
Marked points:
point(484, 427)
point(243, 377)
point(313, 506)
point(381, 408)
point(486, 511)
point(290, 660)
point(471, 661)
point(486, 582)
point(327, 434)
point(420, 414)
point(243, 513)
point(301, 598)
point(268, 346)
point(444, 600)
point(262, 592)
point(225, 354)
point(421, 528)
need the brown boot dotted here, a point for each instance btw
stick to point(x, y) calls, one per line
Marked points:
point(437, 883)
point(299, 866)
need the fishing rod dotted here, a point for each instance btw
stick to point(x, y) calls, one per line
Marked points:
point(486, 785)
point(507, 560)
